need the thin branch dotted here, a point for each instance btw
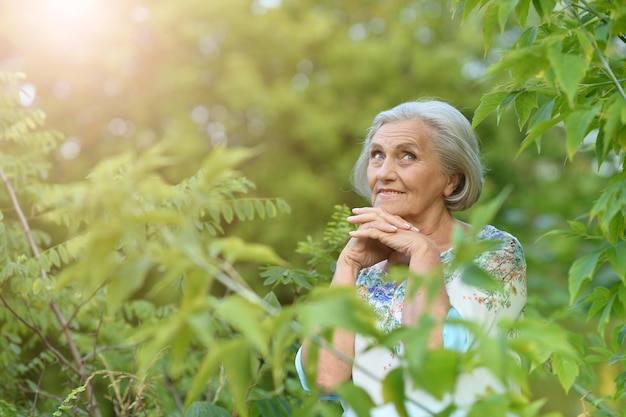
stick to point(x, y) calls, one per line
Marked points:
point(81, 370)
point(586, 395)
point(593, 11)
point(601, 58)
point(592, 399)
point(43, 337)
point(172, 390)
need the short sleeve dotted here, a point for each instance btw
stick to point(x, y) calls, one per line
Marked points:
point(488, 307)
point(302, 378)
point(455, 336)
point(300, 371)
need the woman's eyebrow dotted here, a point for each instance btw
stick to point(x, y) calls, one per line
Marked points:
point(401, 145)
point(407, 144)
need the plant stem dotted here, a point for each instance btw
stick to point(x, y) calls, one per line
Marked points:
point(71, 343)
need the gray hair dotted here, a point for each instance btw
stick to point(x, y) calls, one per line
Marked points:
point(453, 141)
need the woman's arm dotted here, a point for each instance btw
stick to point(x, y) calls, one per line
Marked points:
point(333, 370)
point(424, 259)
point(507, 266)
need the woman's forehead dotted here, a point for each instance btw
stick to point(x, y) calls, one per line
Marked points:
point(402, 133)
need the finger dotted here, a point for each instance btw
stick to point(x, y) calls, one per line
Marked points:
point(377, 224)
point(370, 214)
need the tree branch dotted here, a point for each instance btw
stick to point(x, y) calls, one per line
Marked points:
point(80, 370)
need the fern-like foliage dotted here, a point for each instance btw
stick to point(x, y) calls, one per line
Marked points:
point(138, 283)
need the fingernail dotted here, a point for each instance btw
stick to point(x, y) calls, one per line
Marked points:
point(415, 229)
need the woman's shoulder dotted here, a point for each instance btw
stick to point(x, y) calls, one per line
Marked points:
point(509, 250)
point(489, 232)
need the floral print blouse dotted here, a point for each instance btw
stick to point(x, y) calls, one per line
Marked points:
point(486, 307)
point(506, 264)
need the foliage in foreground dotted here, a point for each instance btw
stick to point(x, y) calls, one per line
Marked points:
point(140, 310)
point(567, 71)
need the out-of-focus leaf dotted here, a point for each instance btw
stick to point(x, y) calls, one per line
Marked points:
point(246, 318)
point(206, 409)
point(336, 307)
point(525, 103)
point(581, 272)
point(488, 103)
point(576, 128)
point(617, 258)
point(565, 369)
point(240, 364)
point(358, 399)
point(569, 70)
point(393, 390)
point(439, 372)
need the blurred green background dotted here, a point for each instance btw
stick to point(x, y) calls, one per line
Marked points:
point(299, 81)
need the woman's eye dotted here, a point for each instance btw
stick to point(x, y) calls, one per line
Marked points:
point(376, 155)
point(409, 156)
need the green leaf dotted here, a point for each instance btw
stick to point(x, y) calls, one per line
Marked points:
point(539, 125)
point(358, 399)
point(488, 103)
point(248, 208)
point(598, 299)
point(476, 277)
point(490, 21)
point(207, 369)
point(468, 6)
point(239, 365)
point(273, 407)
point(218, 163)
point(544, 7)
point(240, 211)
point(270, 209)
point(578, 227)
point(581, 272)
point(524, 64)
point(614, 116)
point(617, 258)
point(227, 212)
point(576, 128)
point(569, 70)
point(505, 9)
point(336, 307)
point(127, 279)
point(487, 212)
point(439, 372)
point(206, 409)
point(393, 391)
point(54, 257)
point(246, 318)
point(565, 369)
point(234, 249)
point(521, 11)
point(259, 208)
point(525, 103)
point(283, 205)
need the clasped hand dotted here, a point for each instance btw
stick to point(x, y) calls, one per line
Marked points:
point(382, 235)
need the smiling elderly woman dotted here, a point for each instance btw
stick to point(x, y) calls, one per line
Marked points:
point(419, 163)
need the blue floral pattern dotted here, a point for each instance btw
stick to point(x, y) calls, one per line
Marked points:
point(505, 264)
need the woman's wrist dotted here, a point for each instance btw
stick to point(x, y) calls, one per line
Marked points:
point(346, 272)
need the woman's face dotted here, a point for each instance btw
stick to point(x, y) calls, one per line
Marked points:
point(405, 175)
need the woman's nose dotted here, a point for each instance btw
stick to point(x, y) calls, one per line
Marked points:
point(387, 171)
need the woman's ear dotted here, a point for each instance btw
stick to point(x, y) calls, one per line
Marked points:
point(453, 182)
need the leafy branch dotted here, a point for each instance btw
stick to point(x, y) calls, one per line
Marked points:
point(79, 366)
